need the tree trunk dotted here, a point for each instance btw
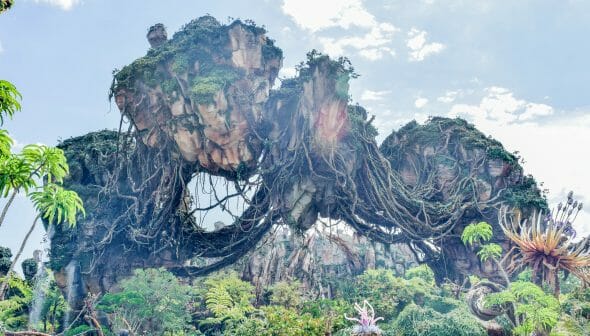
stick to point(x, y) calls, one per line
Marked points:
point(7, 205)
point(4, 285)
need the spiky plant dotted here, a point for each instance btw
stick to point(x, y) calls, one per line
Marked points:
point(545, 244)
point(366, 322)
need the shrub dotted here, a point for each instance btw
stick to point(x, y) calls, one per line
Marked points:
point(418, 321)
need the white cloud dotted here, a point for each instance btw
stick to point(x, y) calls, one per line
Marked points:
point(500, 106)
point(318, 15)
point(287, 72)
point(373, 45)
point(1, 48)
point(420, 102)
point(449, 97)
point(373, 42)
point(63, 4)
point(419, 49)
point(369, 95)
point(552, 150)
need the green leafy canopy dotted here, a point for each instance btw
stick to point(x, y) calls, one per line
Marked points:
point(474, 233)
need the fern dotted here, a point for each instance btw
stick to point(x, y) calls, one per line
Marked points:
point(228, 298)
point(488, 251)
point(473, 233)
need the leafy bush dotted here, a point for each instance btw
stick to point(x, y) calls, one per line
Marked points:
point(151, 301)
point(418, 321)
point(286, 294)
point(332, 311)
point(280, 321)
point(422, 272)
point(388, 292)
point(229, 297)
point(537, 311)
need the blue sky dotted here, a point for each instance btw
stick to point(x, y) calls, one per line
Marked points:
point(517, 69)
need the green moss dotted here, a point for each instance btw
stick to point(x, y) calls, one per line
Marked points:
point(203, 88)
point(196, 41)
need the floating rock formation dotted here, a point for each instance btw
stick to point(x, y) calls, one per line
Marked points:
point(201, 104)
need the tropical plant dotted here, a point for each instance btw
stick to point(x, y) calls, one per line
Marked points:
point(279, 321)
point(13, 310)
point(489, 251)
point(476, 233)
point(545, 244)
point(56, 205)
point(421, 272)
point(366, 320)
point(6, 143)
point(152, 301)
point(388, 293)
point(9, 95)
point(21, 171)
point(286, 294)
point(536, 311)
point(228, 298)
point(425, 321)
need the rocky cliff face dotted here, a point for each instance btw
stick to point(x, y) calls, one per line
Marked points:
point(204, 90)
point(443, 156)
point(201, 104)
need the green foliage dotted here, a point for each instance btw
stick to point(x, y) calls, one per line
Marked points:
point(418, 321)
point(9, 95)
point(58, 205)
point(280, 321)
point(487, 251)
point(15, 173)
point(204, 88)
point(48, 162)
point(537, 310)
point(5, 255)
point(422, 272)
point(331, 310)
point(476, 233)
point(53, 306)
point(286, 294)
point(228, 297)
point(14, 307)
point(6, 143)
point(152, 301)
point(388, 293)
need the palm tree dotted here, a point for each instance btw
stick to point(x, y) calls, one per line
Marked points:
point(15, 174)
point(57, 206)
point(22, 171)
point(9, 95)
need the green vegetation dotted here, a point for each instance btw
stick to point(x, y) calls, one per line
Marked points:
point(151, 301)
point(536, 311)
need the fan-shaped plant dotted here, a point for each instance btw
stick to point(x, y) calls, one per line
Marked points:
point(545, 244)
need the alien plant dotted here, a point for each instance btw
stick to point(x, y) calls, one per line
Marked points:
point(366, 322)
point(545, 244)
